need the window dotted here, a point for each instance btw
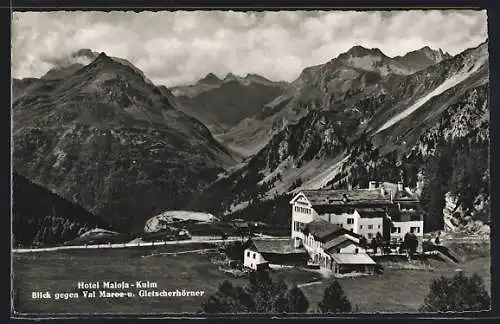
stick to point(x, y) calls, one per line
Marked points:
point(360, 226)
point(341, 225)
point(415, 229)
point(378, 225)
point(356, 250)
point(370, 226)
point(350, 221)
point(370, 235)
point(248, 253)
point(398, 229)
point(254, 255)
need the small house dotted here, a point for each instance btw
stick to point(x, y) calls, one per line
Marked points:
point(263, 252)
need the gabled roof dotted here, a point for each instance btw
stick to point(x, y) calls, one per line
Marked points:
point(324, 231)
point(299, 196)
point(372, 212)
point(321, 229)
point(345, 197)
point(332, 244)
point(348, 258)
point(277, 246)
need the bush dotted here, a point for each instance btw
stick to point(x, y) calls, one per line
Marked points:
point(457, 294)
point(229, 299)
point(261, 295)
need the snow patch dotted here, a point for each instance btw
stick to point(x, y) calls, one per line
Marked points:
point(322, 178)
point(446, 85)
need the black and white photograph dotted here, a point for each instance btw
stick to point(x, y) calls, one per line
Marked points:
point(250, 162)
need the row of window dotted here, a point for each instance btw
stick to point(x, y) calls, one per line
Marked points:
point(302, 210)
point(369, 226)
point(298, 226)
point(412, 230)
point(254, 256)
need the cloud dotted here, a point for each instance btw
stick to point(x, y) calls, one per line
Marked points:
point(180, 47)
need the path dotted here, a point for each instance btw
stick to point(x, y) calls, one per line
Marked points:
point(194, 239)
point(309, 284)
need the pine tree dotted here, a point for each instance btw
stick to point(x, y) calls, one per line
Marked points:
point(334, 300)
point(296, 301)
point(268, 296)
point(229, 299)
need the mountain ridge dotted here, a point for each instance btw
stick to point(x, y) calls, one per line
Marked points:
point(316, 150)
point(108, 140)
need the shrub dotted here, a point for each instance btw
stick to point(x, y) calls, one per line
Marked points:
point(457, 294)
point(334, 300)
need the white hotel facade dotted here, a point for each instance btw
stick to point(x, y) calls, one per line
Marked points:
point(388, 209)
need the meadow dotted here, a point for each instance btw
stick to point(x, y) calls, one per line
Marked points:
point(58, 272)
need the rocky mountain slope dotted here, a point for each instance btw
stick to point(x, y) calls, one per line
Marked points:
point(221, 104)
point(41, 217)
point(353, 76)
point(422, 58)
point(108, 139)
point(363, 129)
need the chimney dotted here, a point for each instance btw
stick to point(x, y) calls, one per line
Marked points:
point(372, 185)
point(400, 186)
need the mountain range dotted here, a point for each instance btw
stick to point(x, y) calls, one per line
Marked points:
point(100, 134)
point(107, 139)
point(356, 75)
point(222, 103)
point(342, 124)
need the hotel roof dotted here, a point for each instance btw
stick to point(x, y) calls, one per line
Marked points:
point(345, 197)
point(372, 212)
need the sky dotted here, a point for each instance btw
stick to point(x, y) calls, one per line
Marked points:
point(181, 47)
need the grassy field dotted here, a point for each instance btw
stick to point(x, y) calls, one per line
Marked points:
point(60, 272)
point(393, 291)
point(397, 290)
